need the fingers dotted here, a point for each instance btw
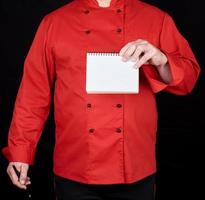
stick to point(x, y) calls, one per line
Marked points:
point(23, 175)
point(14, 178)
point(144, 59)
point(129, 52)
point(139, 52)
point(124, 49)
point(128, 45)
point(23, 180)
point(12, 174)
point(28, 182)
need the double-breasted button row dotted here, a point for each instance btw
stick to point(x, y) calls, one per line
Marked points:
point(92, 130)
point(118, 30)
point(119, 105)
point(87, 11)
point(87, 32)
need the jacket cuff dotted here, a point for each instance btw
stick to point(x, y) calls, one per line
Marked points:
point(19, 154)
point(154, 79)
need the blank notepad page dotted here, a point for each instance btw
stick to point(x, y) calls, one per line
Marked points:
point(107, 73)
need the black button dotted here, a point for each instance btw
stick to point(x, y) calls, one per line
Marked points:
point(119, 105)
point(88, 32)
point(91, 130)
point(89, 105)
point(118, 10)
point(119, 30)
point(118, 130)
point(86, 11)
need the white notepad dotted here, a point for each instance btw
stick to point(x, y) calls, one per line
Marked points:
point(107, 73)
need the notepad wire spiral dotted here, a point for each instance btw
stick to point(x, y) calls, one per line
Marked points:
point(102, 54)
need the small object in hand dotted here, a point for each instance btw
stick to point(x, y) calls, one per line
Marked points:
point(16, 171)
point(28, 188)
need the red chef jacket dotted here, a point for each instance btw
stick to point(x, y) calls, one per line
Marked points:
point(100, 138)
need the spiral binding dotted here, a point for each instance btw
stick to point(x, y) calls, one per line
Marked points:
point(103, 54)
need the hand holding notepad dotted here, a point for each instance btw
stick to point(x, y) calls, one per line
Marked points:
point(106, 73)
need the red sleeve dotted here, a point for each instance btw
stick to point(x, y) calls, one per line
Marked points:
point(32, 104)
point(183, 65)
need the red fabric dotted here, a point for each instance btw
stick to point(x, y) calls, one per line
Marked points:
point(97, 141)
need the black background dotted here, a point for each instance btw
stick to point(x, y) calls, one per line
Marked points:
point(181, 118)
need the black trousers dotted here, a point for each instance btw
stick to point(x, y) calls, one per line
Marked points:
point(72, 190)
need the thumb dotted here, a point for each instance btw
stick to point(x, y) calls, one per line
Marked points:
point(23, 175)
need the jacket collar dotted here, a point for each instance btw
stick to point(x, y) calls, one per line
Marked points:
point(94, 3)
point(112, 2)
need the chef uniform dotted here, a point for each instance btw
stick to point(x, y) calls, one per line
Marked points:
point(100, 138)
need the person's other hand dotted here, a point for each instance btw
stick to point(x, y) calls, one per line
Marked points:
point(142, 52)
point(22, 168)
